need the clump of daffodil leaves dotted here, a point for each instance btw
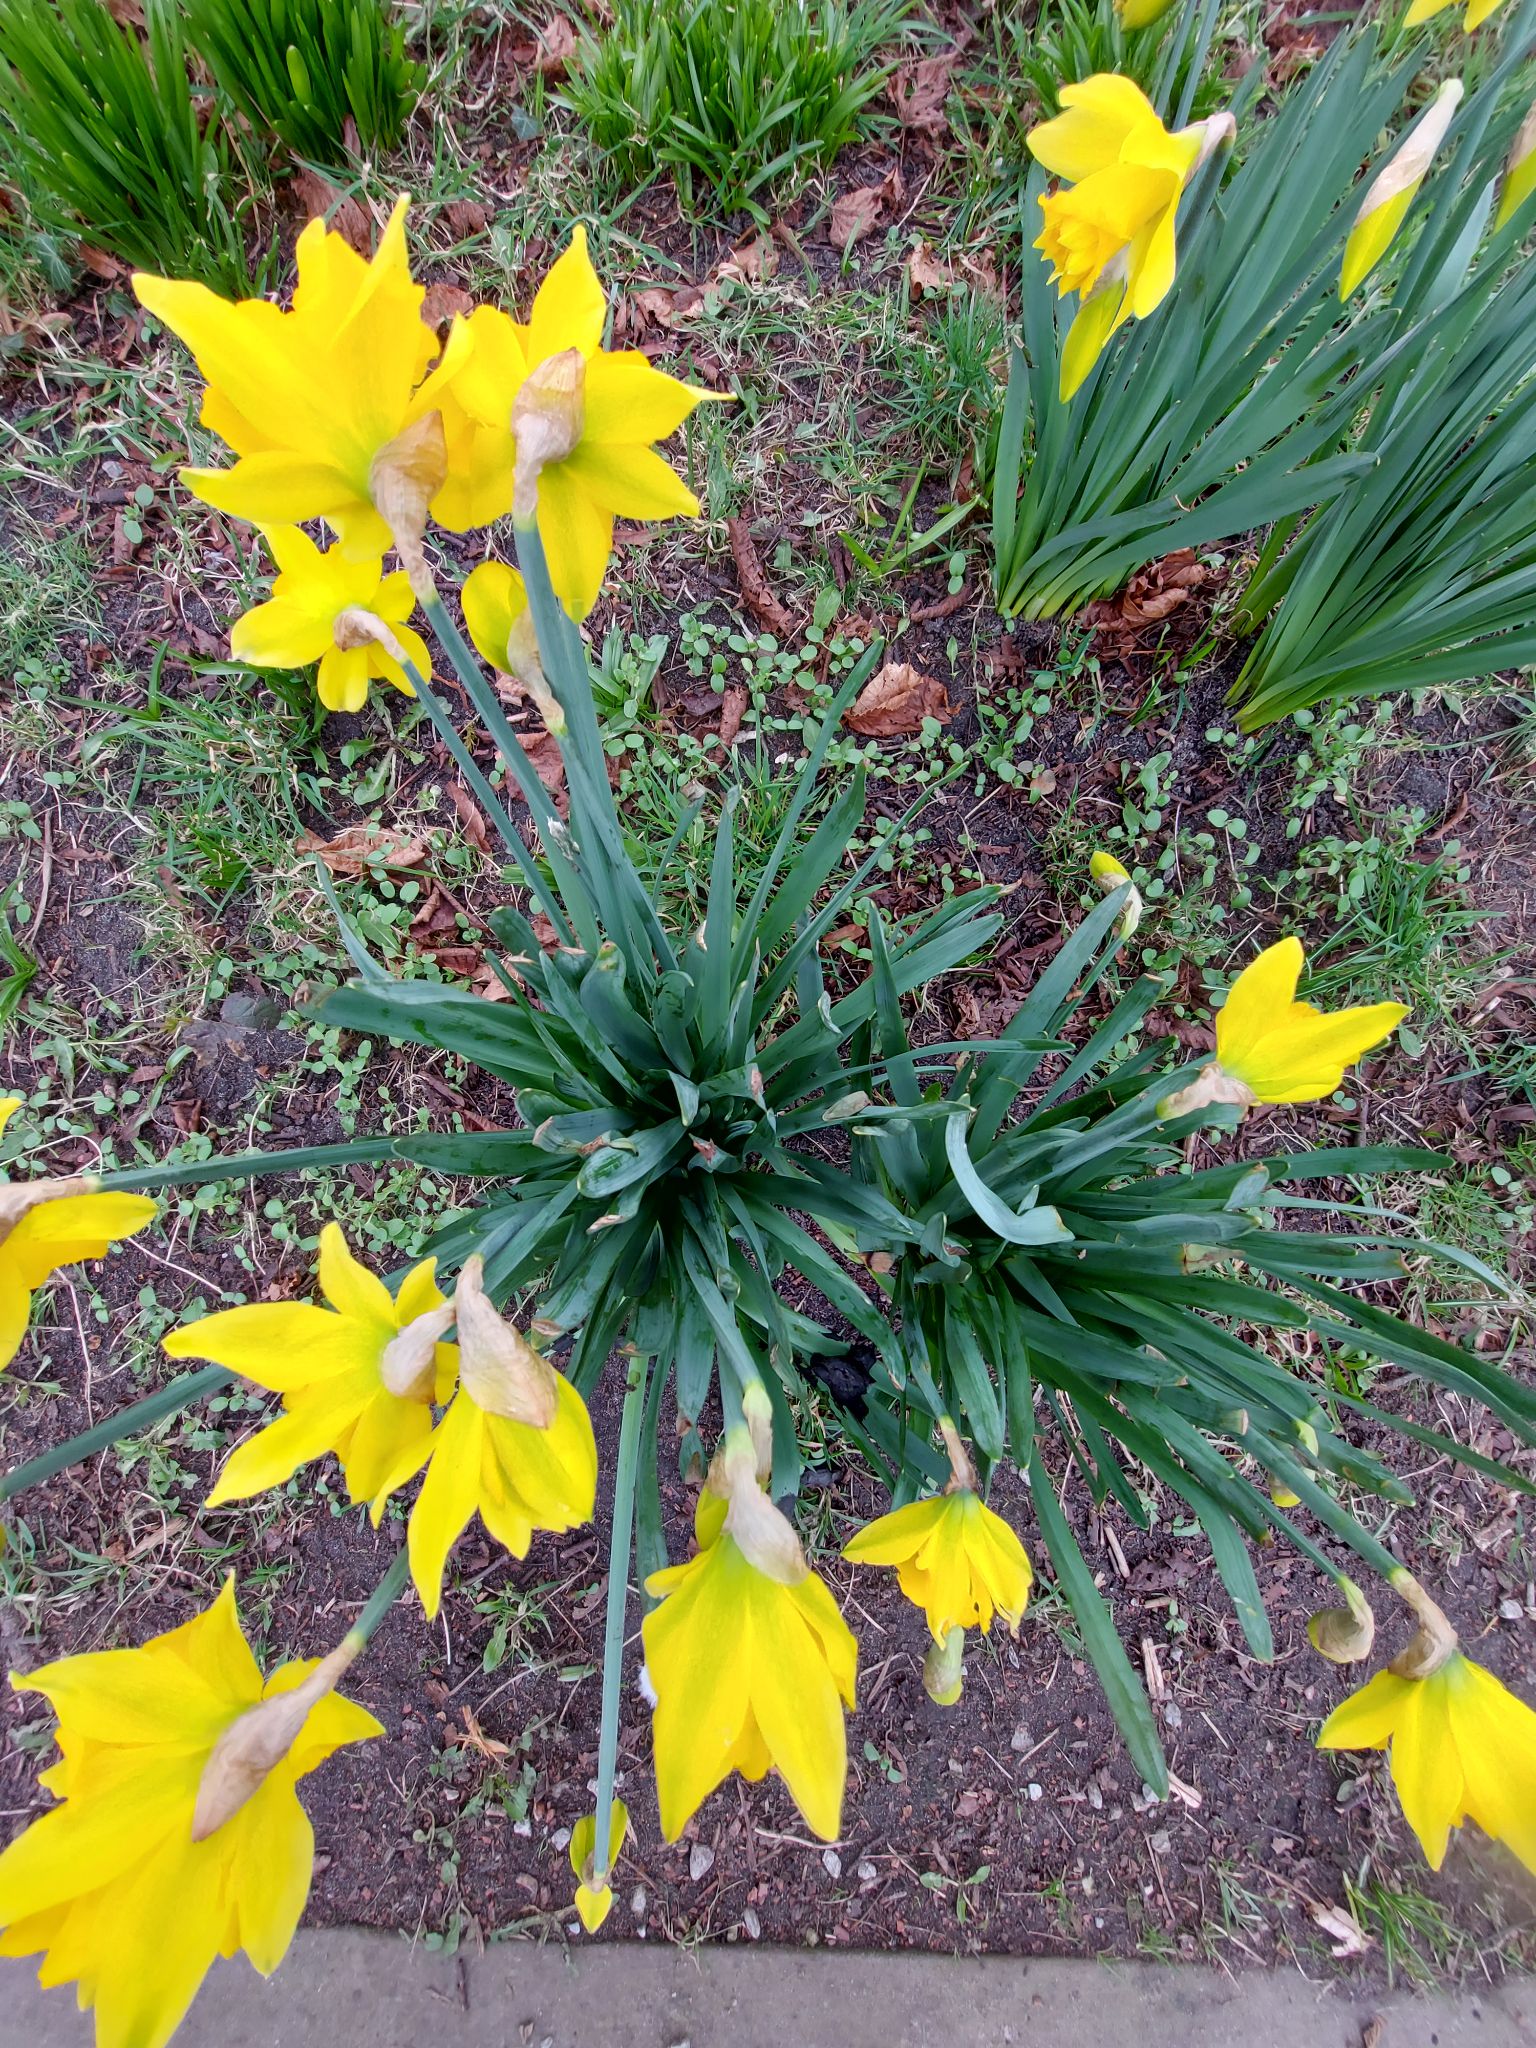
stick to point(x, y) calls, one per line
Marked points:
point(1011, 1229)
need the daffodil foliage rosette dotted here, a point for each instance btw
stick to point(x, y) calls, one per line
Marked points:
point(1083, 1306)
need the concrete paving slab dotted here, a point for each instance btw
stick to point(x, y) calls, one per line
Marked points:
point(349, 1989)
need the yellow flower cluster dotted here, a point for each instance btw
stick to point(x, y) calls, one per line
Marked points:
point(363, 1379)
point(346, 408)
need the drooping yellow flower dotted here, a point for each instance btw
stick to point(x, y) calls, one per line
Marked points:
point(358, 1378)
point(313, 399)
point(1385, 205)
point(1478, 11)
point(1462, 1748)
point(46, 1224)
point(515, 1447)
point(750, 1660)
point(613, 470)
point(593, 1900)
point(954, 1558)
point(1519, 170)
point(1272, 1048)
point(1110, 875)
point(124, 1887)
point(313, 616)
point(1108, 233)
point(496, 613)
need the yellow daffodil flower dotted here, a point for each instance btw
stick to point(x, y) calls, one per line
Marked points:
point(137, 1880)
point(1108, 234)
point(1462, 1748)
point(1519, 170)
point(954, 1558)
point(320, 611)
point(612, 470)
point(1391, 193)
point(750, 1660)
point(46, 1224)
point(593, 1900)
point(1272, 1048)
point(515, 1447)
point(496, 613)
point(315, 400)
point(358, 1378)
point(1478, 11)
point(1110, 875)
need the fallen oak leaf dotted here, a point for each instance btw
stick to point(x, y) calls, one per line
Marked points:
point(895, 702)
point(356, 848)
point(926, 273)
point(554, 47)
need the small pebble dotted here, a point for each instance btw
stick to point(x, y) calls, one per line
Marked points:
point(1162, 1842)
point(751, 1923)
point(1095, 1797)
point(523, 1828)
point(867, 1872)
point(1022, 1739)
point(701, 1861)
point(637, 1902)
point(1511, 1610)
point(1173, 1714)
point(560, 1839)
point(833, 1862)
point(1036, 1791)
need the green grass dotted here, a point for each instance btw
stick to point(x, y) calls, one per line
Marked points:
point(733, 96)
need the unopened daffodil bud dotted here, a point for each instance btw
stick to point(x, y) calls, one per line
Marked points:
point(498, 1368)
point(594, 1894)
point(1519, 170)
point(1141, 13)
point(1344, 1635)
point(548, 415)
point(1391, 193)
point(944, 1668)
point(1111, 875)
point(1478, 11)
point(1272, 1048)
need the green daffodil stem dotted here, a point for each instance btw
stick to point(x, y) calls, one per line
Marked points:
point(618, 1602)
point(193, 1173)
point(180, 1393)
point(488, 709)
point(379, 1602)
point(480, 788)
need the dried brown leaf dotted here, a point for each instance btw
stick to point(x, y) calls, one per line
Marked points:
point(894, 703)
point(756, 595)
point(356, 848)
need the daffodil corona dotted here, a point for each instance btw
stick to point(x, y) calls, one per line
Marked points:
point(1108, 232)
point(162, 1854)
point(610, 468)
point(328, 406)
point(515, 1447)
point(46, 1224)
point(358, 1378)
point(751, 1662)
point(328, 608)
point(1272, 1048)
